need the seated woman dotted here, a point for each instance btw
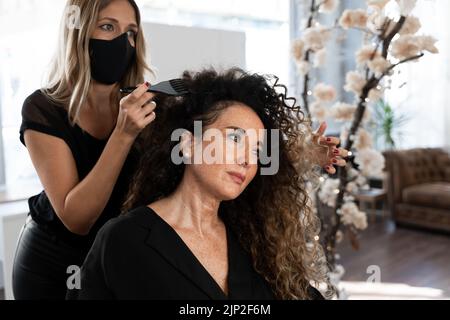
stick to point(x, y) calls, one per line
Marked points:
point(201, 229)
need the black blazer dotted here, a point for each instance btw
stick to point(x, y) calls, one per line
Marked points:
point(140, 256)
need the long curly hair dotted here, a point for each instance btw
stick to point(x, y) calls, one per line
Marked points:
point(273, 217)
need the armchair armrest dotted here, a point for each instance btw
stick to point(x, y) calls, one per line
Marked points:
point(444, 163)
point(447, 174)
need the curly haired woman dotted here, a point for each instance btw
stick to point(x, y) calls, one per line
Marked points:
point(218, 229)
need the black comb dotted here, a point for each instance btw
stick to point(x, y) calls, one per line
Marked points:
point(174, 87)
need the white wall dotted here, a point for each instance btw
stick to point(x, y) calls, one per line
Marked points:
point(12, 218)
point(174, 49)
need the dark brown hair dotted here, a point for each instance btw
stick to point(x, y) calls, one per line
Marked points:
point(273, 216)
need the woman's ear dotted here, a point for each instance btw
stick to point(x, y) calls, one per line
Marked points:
point(187, 147)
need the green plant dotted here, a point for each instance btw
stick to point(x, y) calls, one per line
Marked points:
point(388, 122)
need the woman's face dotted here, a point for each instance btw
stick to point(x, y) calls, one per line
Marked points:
point(114, 20)
point(235, 141)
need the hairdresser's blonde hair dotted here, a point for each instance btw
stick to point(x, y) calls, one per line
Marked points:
point(69, 78)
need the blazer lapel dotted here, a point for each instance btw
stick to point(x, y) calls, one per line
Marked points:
point(164, 239)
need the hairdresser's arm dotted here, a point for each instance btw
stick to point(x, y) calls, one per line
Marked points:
point(79, 203)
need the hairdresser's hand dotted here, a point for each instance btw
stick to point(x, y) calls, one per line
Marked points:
point(135, 112)
point(328, 154)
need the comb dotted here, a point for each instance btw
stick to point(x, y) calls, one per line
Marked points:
point(174, 87)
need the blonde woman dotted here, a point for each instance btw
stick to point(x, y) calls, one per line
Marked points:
point(80, 138)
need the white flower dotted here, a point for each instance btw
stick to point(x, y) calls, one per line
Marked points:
point(353, 19)
point(316, 37)
point(375, 95)
point(427, 43)
point(324, 92)
point(365, 54)
point(406, 6)
point(320, 58)
point(361, 181)
point(348, 197)
point(303, 67)
point(339, 236)
point(318, 111)
point(350, 214)
point(329, 191)
point(411, 26)
point(363, 139)
point(377, 4)
point(360, 220)
point(371, 162)
point(352, 187)
point(375, 22)
point(405, 47)
point(335, 279)
point(297, 49)
point(378, 65)
point(408, 46)
point(328, 6)
point(342, 111)
point(379, 23)
point(355, 82)
point(358, 181)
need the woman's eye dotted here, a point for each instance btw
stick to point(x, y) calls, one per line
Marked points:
point(236, 138)
point(107, 27)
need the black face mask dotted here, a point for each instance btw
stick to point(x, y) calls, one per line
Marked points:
point(110, 59)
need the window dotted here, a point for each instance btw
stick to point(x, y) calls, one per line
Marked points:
point(420, 90)
point(28, 33)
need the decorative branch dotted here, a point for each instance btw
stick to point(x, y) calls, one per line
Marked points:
point(374, 66)
point(338, 194)
point(313, 10)
point(330, 236)
point(399, 63)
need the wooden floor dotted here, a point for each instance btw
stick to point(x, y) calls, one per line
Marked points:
point(409, 256)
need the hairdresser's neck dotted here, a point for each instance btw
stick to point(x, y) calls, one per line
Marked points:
point(191, 207)
point(99, 98)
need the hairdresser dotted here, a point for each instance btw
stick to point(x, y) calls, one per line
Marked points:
point(80, 134)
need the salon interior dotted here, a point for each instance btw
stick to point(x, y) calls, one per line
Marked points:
point(376, 71)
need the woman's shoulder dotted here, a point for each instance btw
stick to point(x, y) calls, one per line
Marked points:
point(39, 113)
point(37, 94)
point(39, 98)
point(39, 103)
point(129, 223)
point(315, 294)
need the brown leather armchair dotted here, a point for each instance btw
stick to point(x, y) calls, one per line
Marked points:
point(419, 187)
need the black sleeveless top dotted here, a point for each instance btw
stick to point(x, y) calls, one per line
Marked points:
point(39, 113)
